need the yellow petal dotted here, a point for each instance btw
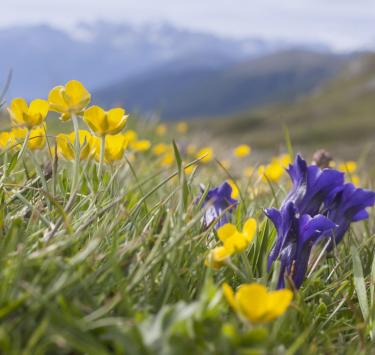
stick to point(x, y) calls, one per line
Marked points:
point(76, 95)
point(116, 120)
point(37, 139)
point(252, 302)
point(95, 117)
point(18, 109)
point(130, 135)
point(38, 111)
point(161, 129)
point(226, 231)
point(229, 295)
point(236, 243)
point(278, 302)
point(217, 257)
point(249, 229)
point(235, 192)
point(56, 100)
point(115, 146)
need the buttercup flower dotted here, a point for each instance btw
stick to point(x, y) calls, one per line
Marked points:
point(115, 147)
point(160, 149)
point(256, 304)
point(348, 167)
point(233, 241)
point(65, 145)
point(69, 99)
point(105, 122)
point(235, 191)
point(140, 146)
point(6, 140)
point(206, 154)
point(219, 204)
point(242, 151)
point(130, 135)
point(29, 116)
point(37, 139)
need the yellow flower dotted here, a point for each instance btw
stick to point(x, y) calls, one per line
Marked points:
point(234, 187)
point(69, 99)
point(242, 151)
point(348, 167)
point(256, 304)
point(115, 146)
point(355, 180)
point(233, 242)
point(37, 139)
point(206, 154)
point(140, 146)
point(105, 122)
point(284, 160)
point(161, 129)
point(160, 149)
point(130, 135)
point(7, 140)
point(24, 115)
point(272, 172)
point(65, 145)
point(189, 169)
point(182, 127)
point(167, 159)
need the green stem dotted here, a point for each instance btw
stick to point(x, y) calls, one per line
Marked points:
point(101, 161)
point(77, 151)
point(24, 145)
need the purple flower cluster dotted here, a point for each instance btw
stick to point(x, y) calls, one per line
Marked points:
point(319, 205)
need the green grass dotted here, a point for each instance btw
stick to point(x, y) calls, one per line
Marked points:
point(120, 269)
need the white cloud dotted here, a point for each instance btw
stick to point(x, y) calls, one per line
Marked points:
point(343, 23)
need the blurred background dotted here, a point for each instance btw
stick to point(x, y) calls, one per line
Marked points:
point(237, 71)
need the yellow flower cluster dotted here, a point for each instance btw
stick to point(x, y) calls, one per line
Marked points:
point(351, 168)
point(233, 241)
point(71, 100)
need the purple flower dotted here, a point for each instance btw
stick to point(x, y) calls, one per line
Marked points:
point(347, 204)
point(219, 205)
point(318, 206)
point(296, 236)
point(311, 185)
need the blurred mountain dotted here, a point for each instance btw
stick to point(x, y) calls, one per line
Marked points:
point(177, 92)
point(340, 115)
point(103, 53)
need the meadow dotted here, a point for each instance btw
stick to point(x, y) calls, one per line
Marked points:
point(118, 235)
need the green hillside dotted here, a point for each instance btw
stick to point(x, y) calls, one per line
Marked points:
point(339, 116)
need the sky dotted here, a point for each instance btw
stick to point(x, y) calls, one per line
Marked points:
point(343, 24)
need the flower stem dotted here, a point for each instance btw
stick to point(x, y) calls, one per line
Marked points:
point(24, 145)
point(101, 161)
point(77, 151)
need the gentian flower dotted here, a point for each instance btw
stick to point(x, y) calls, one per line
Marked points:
point(347, 204)
point(311, 185)
point(256, 304)
point(219, 203)
point(318, 206)
point(296, 236)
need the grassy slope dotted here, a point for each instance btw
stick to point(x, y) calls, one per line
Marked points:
point(124, 273)
point(338, 116)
